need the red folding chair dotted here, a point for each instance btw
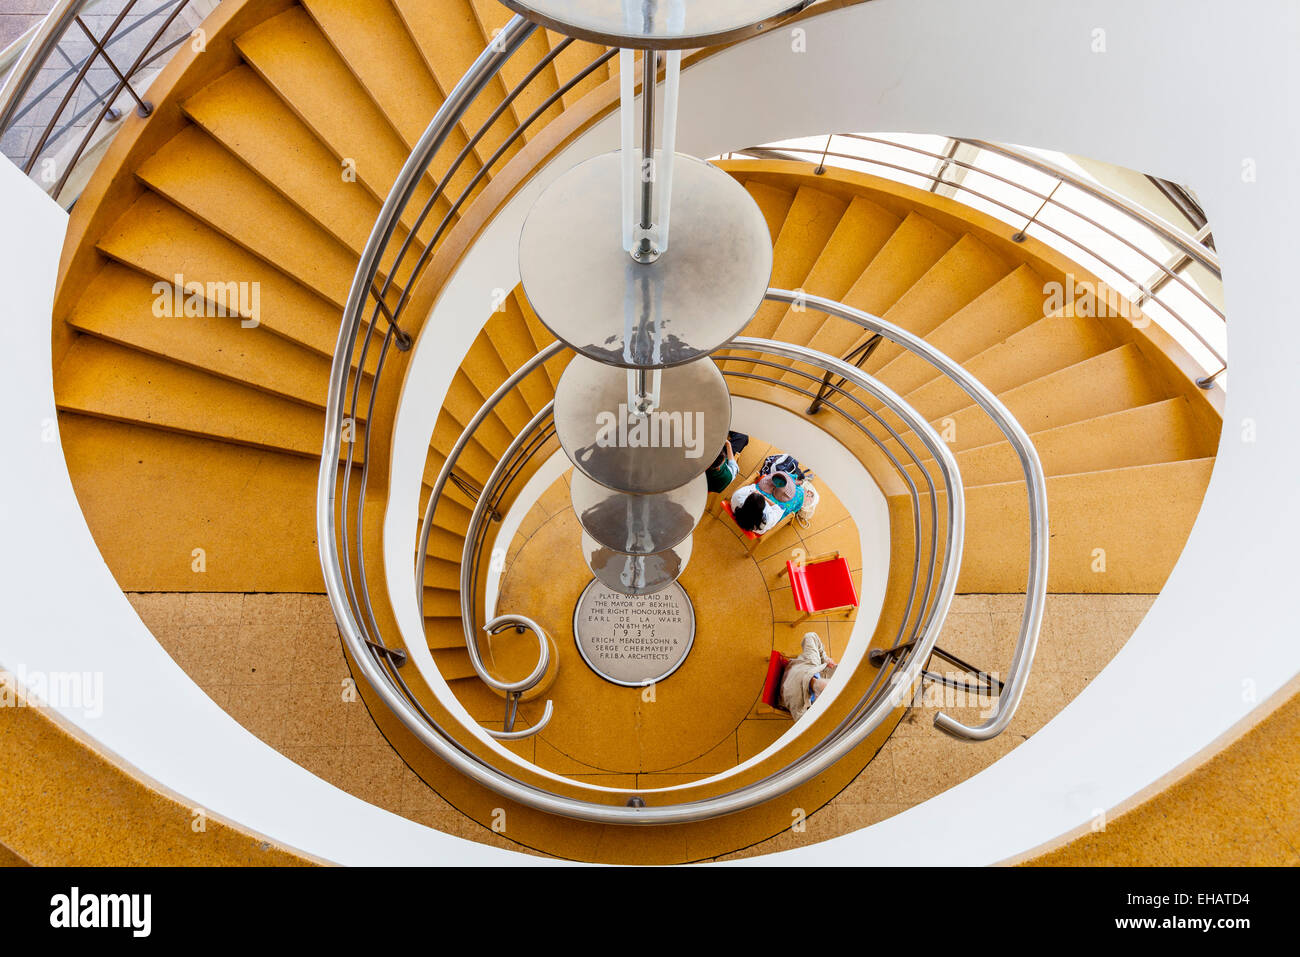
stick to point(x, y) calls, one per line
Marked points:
point(822, 584)
point(771, 695)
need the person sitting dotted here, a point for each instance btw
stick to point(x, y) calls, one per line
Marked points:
point(762, 505)
point(806, 676)
point(724, 469)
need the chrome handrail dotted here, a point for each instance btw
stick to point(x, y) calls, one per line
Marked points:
point(871, 709)
point(1189, 246)
point(352, 607)
point(1035, 484)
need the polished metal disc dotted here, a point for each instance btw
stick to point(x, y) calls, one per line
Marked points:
point(635, 574)
point(598, 300)
point(638, 524)
point(657, 24)
point(627, 452)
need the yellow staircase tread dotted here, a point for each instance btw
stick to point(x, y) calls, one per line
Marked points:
point(1014, 303)
point(244, 114)
point(575, 58)
point(913, 248)
point(452, 516)
point(773, 201)
point(508, 331)
point(99, 378)
point(441, 603)
point(462, 402)
point(1112, 532)
point(542, 338)
point(441, 573)
point(450, 493)
point(492, 17)
point(1165, 431)
point(158, 238)
point(197, 174)
point(297, 61)
point(1041, 348)
point(445, 545)
point(965, 272)
point(453, 663)
point(118, 305)
point(486, 371)
point(475, 462)
point(860, 234)
point(152, 498)
point(444, 633)
point(1111, 382)
point(808, 227)
point(448, 35)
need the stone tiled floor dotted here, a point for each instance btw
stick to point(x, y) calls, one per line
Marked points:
point(136, 29)
point(1080, 634)
point(17, 15)
point(276, 665)
point(544, 575)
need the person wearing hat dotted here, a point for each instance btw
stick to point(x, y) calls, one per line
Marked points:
point(761, 506)
point(806, 676)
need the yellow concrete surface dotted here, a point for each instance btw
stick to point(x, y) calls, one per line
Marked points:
point(66, 803)
point(1240, 806)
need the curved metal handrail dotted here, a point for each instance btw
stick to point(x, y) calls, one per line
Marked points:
point(351, 606)
point(1036, 486)
point(1187, 245)
point(869, 713)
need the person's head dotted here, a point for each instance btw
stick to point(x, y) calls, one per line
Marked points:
point(750, 514)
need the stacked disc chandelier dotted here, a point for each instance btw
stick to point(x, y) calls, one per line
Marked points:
point(644, 261)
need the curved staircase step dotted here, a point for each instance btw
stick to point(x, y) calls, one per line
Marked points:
point(492, 17)
point(158, 238)
point(1166, 431)
point(447, 33)
point(297, 61)
point(195, 173)
point(244, 114)
point(1114, 532)
point(118, 305)
point(913, 248)
point(158, 496)
point(102, 379)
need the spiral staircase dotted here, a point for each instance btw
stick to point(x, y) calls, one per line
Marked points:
point(194, 444)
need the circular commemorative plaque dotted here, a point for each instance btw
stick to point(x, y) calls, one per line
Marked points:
point(634, 640)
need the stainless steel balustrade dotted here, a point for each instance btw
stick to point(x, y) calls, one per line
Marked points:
point(351, 605)
point(891, 686)
point(1035, 484)
point(1143, 220)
